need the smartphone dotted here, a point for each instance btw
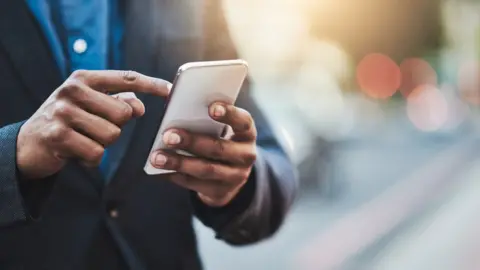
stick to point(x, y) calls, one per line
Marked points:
point(196, 86)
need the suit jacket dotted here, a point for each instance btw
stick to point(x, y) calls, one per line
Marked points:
point(73, 220)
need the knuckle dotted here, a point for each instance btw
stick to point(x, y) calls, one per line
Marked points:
point(188, 141)
point(176, 162)
point(254, 134)
point(209, 171)
point(235, 178)
point(244, 175)
point(218, 149)
point(113, 134)
point(130, 76)
point(62, 109)
point(59, 155)
point(79, 74)
point(249, 158)
point(57, 133)
point(247, 125)
point(70, 87)
point(95, 156)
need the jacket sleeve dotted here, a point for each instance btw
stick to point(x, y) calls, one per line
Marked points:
point(20, 201)
point(261, 206)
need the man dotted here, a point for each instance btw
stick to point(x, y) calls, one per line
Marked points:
point(73, 194)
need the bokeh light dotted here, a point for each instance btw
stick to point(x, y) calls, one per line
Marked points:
point(416, 72)
point(378, 76)
point(269, 35)
point(321, 102)
point(468, 82)
point(458, 110)
point(326, 56)
point(427, 108)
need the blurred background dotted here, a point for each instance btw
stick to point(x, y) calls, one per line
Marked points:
point(377, 103)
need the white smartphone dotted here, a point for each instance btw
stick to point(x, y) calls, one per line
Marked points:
point(196, 86)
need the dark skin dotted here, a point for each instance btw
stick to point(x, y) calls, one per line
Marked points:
point(220, 166)
point(87, 112)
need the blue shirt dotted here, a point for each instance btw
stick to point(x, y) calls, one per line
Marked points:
point(83, 34)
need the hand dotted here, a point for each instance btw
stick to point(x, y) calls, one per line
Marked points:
point(221, 166)
point(80, 119)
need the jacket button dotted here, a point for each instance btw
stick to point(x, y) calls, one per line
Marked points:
point(244, 233)
point(113, 213)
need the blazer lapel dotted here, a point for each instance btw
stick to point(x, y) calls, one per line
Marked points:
point(23, 39)
point(179, 34)
point(137, 55)
point(160, 35)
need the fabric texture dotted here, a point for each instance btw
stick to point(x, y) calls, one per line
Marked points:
point(135, 221)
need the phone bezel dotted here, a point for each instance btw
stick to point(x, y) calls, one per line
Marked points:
point(206, 64)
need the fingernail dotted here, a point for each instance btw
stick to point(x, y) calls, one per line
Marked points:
point(173, 138)
point(160, 160)
point(219, 111)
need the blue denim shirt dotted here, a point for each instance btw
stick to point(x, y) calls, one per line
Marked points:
point(83, 34)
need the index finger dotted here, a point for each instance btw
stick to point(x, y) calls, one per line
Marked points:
point(117, 81)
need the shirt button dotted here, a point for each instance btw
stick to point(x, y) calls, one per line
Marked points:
point(244, 233)
point(80, 45)
point(113, 213)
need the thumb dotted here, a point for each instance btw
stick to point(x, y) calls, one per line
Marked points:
point(131, 99)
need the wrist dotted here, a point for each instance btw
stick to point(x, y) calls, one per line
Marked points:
point(224, 198)
point(236, 205)
point(219, 201)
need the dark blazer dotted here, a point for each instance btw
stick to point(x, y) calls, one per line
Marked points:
point(74, 220)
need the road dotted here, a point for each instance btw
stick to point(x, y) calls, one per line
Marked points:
point(446, 238)
point(367, 208)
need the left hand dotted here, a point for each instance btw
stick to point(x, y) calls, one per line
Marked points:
point(221, 166)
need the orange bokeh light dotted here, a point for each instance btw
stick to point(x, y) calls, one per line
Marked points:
point(416, 72)
point(378, 76)
point(469, 82)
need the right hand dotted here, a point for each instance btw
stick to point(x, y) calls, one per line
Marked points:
point(80, 119)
